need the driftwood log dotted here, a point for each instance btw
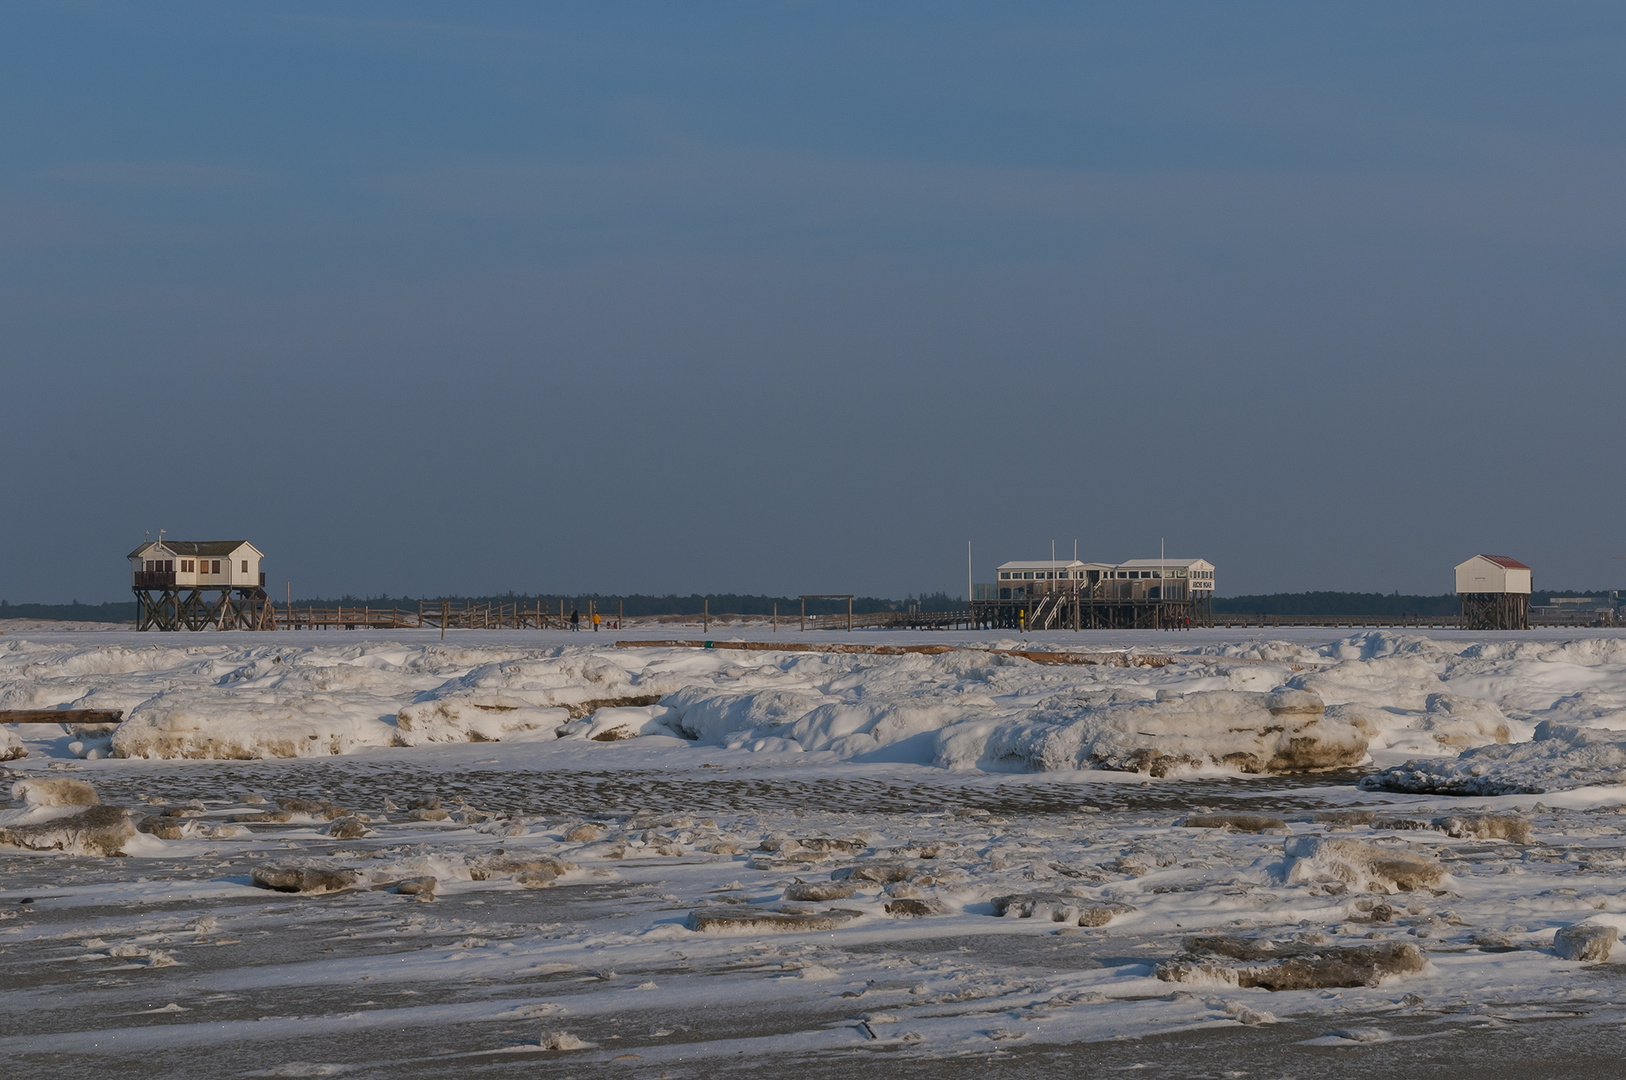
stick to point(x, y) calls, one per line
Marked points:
point(61, 716)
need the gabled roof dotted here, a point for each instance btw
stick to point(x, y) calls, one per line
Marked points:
point(200, 548)
point(1504, 561)
point(1043, 564)
point(1137, 563)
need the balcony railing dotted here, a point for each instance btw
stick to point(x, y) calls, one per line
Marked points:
point(154, 579)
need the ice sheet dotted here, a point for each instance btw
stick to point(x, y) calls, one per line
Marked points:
point(555, 938)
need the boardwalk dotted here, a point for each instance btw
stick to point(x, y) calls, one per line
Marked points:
point(428, 616)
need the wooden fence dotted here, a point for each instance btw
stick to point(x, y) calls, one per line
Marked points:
point(893, 620)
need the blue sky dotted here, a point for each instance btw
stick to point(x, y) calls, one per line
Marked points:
point(803, 296)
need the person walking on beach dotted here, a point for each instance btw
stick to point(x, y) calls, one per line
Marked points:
point(575, 619)
point(595, 622)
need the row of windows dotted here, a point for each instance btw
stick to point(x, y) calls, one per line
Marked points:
point(188, 566)
point(1041, 575)
point(1122, 575)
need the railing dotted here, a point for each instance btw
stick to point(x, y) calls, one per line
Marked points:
point(343, 618)
point(154, 579)
point(891, 620)
point(428, 616)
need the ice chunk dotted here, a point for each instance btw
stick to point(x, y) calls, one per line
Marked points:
point(246, 724)
point(744, 919)
point(347, 828)
point(563, 1040)
point(1250, 732)
point(472, 720)
point(530, 870)
point(1509, 827)
point(1056, 907)
point(911, 908)
point(881, 873)
point(1586, 942)
point(95, 830)
point(11, 747)
point(163, 828)
point(1318, 969)
point(303, 879)
point(818, 891)
point(54, 791)
point(623, 722)
point(1340, 817)
point(1459, 721)
point(714, 716)
point(1253, 823)
point(1360, 865)
point(1559, 758)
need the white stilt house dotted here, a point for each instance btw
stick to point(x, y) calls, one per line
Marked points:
point(232, 564)
point(1048, 594)
point(196, 584)
point(1494, 592)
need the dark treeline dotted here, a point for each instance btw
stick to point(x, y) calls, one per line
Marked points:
point(71, 612)
point(1350, 603)
point(1337, 603)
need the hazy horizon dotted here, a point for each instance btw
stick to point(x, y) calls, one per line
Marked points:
point(800, 298)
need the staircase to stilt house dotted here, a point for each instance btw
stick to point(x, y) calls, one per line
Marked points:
point(1045, 612)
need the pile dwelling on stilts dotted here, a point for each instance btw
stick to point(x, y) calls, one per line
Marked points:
point(1494, 591)
point(1141, 594)
point(199, 585)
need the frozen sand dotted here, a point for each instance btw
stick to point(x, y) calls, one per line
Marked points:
point(179, 966)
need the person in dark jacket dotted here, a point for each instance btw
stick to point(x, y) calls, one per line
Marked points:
point(575, 619)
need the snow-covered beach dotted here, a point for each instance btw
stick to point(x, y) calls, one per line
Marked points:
point(357, 854)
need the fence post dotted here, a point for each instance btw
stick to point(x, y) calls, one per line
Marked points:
point(849, 614)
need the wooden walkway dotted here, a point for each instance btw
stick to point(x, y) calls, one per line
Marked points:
point(428, 616)
point(893, 620)
point(534, 616)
